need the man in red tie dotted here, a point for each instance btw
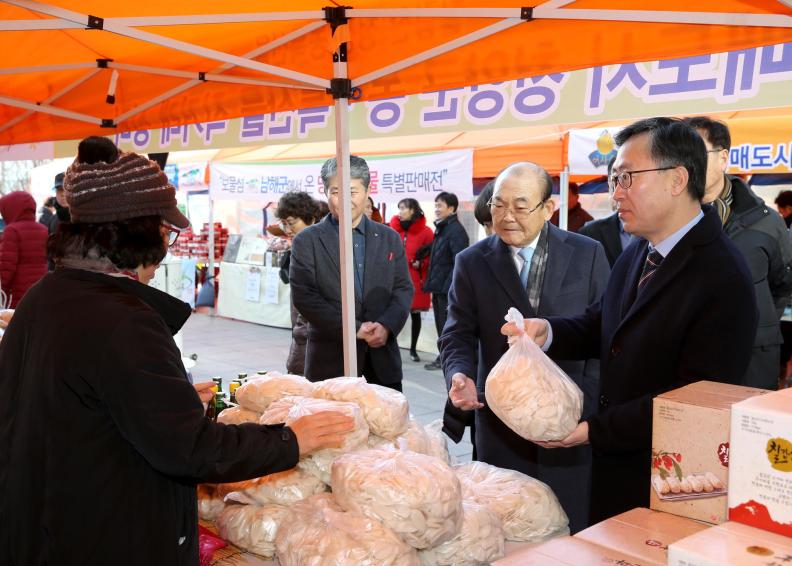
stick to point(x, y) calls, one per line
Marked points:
point(679, 307)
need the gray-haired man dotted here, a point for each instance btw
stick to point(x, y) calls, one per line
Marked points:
point(383, 291)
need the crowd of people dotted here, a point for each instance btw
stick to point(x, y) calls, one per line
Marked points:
point(685, 281)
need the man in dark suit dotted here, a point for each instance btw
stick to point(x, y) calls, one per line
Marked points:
point(383, 291)
point(679, 308)
point(610, 233)
point(541, 270)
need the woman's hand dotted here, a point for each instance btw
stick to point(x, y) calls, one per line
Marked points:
point(204, 390)
point(326, 429)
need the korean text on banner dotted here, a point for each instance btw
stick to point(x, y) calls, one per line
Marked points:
point(419, 176)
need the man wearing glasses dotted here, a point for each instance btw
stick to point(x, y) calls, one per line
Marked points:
point(541, 270)
point(761, 235)
point(679, 308)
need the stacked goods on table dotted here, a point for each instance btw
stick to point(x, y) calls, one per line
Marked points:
point(690, 449)
point(196, 245)
point(388, 496)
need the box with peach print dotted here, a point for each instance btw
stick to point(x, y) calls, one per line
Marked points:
point(760, 476)
point(690, 449)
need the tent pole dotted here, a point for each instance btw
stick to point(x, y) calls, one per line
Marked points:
point(47, 109)
point(563, 189)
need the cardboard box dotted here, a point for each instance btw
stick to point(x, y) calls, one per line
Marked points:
point(642, 533)
point(731, 543)
point(571, 551)
point(690, 449)
point(760, 473)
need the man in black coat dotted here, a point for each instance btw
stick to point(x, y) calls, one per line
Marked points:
point(383, 290)
point(679, 308)
point(562, 274)
point(609, 232)
point(450, 239)
point(761, 235)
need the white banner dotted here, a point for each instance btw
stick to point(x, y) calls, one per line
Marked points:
point(591, 150)
point(420, 176)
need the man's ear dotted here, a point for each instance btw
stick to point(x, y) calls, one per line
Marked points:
point(549, 208)
point(679, 180)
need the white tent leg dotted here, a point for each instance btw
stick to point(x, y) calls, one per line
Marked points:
point(346, 258)
point(563, 189)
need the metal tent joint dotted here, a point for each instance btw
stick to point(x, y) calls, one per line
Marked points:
point(103, 63)
point(342, 88)
point(340, 56)
point(526, 13)
point(95, 22)
point(336, 16)
point(108, 123)
point(202, 76)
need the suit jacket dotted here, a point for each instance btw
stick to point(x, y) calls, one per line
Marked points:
point(694, 320)
point(485, 285)
point(608, 233)
point(315, 281)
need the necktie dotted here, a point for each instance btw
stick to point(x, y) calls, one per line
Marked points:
point(652, 263)
point(526, 254)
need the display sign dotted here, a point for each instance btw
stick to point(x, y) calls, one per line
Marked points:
point(418, 176)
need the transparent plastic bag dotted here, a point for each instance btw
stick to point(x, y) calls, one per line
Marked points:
point(289, 409)
point(479, 541)
point(530, 393)
point(257, 394)
point(528, 508)
point(210, 502)
point(416, 496)
point(429, 440)
point(386, 410)
point(251, 527)
point(282, 488)
point(238, 415)
point(317, 532)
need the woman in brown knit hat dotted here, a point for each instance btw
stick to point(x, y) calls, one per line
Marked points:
point(103, 438)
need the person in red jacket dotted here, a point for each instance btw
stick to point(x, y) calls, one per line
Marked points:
point(23, 251)
point(410, 223)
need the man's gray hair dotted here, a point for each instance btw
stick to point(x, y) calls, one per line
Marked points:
point(358, 169)
point(521, 168)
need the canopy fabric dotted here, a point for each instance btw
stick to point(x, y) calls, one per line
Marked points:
point(53, 88)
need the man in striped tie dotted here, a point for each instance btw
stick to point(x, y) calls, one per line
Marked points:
point(679, 307)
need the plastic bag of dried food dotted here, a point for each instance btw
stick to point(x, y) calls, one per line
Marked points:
point(317, 532)
point(386, 410)
point(257, 394)
point(210, 502)
point(416, 496)
point(531, 394)
point(282, 488)
point(528, 508)
point(252, 527)
point(479, 541)
point(290, 409)
point(429, 440)
point(238, 415)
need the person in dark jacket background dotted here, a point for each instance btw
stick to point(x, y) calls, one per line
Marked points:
point(450, 239)
point(103, 438)
point(410, 225)
point(296, 210)
point(23, 257)
point(761, 235)
point(47, 211)
point(577, 215)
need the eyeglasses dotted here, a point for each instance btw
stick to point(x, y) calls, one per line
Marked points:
point(173, 233)
point(624, 178)
point(518, 211)
point(718, 150)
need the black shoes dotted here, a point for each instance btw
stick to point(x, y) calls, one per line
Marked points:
point(432, 365)
point(414, 356)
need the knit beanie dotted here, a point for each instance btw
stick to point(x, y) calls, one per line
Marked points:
point(129, 187)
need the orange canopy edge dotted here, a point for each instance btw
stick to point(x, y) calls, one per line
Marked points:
point(155, 63)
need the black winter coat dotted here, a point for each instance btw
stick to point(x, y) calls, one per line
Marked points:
point(450, 239)
point(102, 438)
point(761, 235)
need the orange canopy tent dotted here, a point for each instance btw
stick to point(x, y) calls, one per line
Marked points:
point(78, 67)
